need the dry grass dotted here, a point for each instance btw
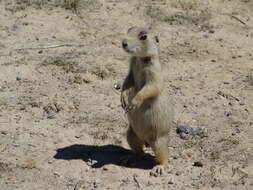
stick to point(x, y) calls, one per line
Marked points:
point(74, 5)
point(103, 71)
point(66, 64)
point(189, 5)
point(189, 12)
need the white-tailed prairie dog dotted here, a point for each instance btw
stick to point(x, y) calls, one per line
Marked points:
point(149, 109)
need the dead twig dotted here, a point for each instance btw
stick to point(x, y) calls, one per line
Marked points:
point(236, 18)
point(136, 181)
point(51, 47)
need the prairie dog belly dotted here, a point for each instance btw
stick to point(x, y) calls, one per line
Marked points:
point(152, 119)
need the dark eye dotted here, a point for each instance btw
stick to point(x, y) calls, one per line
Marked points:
point(143, 37)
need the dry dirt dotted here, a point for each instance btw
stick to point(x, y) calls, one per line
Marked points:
point(61, 123)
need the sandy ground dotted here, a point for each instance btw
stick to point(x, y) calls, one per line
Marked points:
point(61, 123)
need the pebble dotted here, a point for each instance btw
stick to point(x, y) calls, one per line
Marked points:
point(57, 174)
point(184, 129)
point(117, 86)
point(175, 157)
point(178, 173)
point(198, 164)
point(105, 168)
point(50, 116)
point(4, 132)
point(18, 78)
point(78, 136)
point(195, 178)
point(96, 183)
point(184, 136)
point(22, 107)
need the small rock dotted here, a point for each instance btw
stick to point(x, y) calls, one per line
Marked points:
point(22, 107)
point(175, 157)
point(184, 136)
point(170, 182)
point(242, 102)
point(184, 132)
point(50, 116)
point(227, 113)
point(178, 173)
point(57, 174)
point(4, 132)
point(105, 168)
point(183, 129)
point(18, 78)
point(195, 178)
point(237, 130)
point(40, 52)
point(198, 164)
point(96, 183)
point(117, 86)
point(78, 136)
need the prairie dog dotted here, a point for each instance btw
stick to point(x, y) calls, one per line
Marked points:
point(149, 110)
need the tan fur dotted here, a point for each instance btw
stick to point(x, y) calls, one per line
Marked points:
point(148, 108)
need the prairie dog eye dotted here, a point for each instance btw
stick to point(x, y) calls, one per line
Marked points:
point(143, 35)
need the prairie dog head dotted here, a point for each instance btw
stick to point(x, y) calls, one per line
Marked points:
point(141, 42)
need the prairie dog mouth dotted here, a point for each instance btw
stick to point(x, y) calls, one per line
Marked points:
point(130, 50)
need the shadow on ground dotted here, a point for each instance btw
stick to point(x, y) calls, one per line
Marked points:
point(103, 155)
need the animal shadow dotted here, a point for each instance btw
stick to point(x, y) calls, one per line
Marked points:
point(103, 155)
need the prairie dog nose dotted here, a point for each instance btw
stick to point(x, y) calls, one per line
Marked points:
point(124, 44)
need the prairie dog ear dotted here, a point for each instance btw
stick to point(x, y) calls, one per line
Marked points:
point(157, 39)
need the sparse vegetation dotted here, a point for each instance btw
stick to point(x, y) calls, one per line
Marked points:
point(61, 61)
point(28, 164)
point(190, 14)
point(70, 4)
point(74, 5)
point(103, 72)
